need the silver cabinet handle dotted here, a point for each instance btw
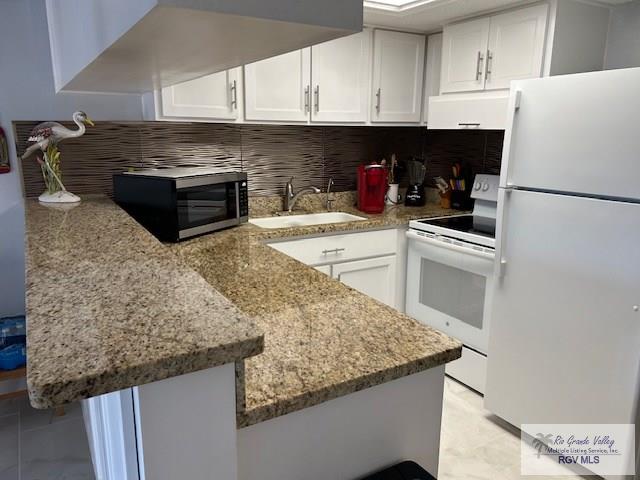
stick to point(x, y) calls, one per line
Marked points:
point(469, 124)
point(306, 99)
point(479, 65)
point(333, 250)
point(234, 95)
point(488, 65)
point(317, 95)
point(378, 92)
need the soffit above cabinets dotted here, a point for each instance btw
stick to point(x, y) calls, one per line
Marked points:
point(135, 47)
point(430, 15)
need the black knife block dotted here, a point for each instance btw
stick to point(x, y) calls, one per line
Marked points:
point(461, 200)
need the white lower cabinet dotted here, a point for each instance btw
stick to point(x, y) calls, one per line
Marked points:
point(375, 277)
point(366, 261)
point(326, 269)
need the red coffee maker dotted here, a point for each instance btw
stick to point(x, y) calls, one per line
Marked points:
point(372, 188)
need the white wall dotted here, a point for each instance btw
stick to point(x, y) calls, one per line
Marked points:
point(623, 41)
point(27, 93)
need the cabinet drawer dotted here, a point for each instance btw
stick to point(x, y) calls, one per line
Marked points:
point(340, 248)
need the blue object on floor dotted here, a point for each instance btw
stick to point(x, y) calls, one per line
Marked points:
point(402, 471)
point(12, 331)
point(13, 356)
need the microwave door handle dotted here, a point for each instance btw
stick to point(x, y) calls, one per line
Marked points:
point(237, 187)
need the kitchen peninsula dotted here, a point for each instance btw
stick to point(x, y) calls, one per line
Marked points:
point(169, 351)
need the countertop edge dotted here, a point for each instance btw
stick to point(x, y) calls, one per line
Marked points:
point(281, 407)
point(41, 395)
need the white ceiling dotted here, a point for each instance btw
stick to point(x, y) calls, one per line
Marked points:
point(430, 15)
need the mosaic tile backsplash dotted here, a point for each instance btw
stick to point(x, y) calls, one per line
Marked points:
point(270, 154)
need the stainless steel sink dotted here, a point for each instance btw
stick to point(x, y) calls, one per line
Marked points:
point(304, 220)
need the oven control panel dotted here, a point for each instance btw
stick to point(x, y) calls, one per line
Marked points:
point(485, 187)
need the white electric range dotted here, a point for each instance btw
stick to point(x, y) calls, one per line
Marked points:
point(450, 278)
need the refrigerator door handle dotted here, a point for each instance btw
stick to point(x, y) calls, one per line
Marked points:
point(515, 98)
point(501, 230)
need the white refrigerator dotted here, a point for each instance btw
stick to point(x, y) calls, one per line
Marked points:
point(564, 345)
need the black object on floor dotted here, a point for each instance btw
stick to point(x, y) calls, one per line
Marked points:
point(402, 471)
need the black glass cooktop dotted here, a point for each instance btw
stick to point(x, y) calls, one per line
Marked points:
point(463, 223)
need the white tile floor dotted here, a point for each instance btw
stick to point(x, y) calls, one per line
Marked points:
point(476, 445)
point(37, 445)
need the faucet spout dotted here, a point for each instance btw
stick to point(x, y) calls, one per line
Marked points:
point(290, 198)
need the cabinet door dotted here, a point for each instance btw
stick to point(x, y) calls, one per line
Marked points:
point(375, 277)
point(340, 248)
point(398, 64)
point(212, 96)
point(516, 46)
point(486, 110)
point(326, 269)
point(340, 79)
point(278, 88)
point(432, 66)
point(464, 47)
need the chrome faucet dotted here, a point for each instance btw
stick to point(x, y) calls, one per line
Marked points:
point(290, 198)
point(329, 200)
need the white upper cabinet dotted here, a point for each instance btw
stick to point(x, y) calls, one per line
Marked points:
point(432, 71)
point(278, 89)
point(488, 53)
point(464, 47)
point(398, 63)
point(516, 46)
point(340, 79)
point(212, 97)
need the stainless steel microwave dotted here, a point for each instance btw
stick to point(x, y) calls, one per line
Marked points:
point(179, 203)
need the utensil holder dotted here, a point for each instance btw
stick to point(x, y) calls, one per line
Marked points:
point(392, 197)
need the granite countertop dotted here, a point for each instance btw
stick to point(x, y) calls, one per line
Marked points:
point(109, 307)
point(322, 338)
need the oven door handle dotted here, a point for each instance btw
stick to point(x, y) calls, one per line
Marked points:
point(456, 248)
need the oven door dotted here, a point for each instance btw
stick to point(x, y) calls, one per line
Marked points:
point(449, 285)
point(203, 208)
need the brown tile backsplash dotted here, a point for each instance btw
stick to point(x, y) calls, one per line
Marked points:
point(271, 154)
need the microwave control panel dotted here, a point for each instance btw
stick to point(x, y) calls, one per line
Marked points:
point(243, 192)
